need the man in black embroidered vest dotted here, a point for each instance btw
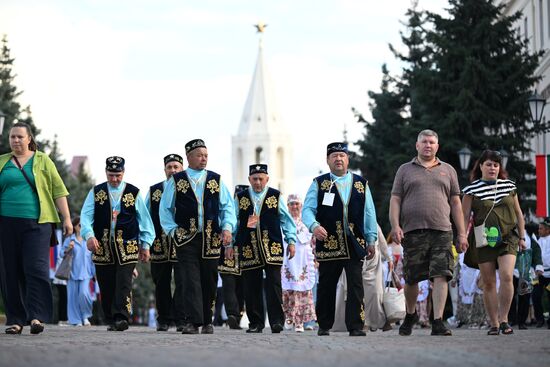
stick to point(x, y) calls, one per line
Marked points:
point(196, 210)
point(118, 230)
point(262, 214)
point(163, 257)
point(339, 211)
point(232, 282)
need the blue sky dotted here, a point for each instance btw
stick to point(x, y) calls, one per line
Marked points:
point(140, 78)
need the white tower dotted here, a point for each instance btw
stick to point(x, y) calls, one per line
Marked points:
point(262, 136)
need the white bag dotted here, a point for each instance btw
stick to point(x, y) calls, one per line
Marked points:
point(480, 236)
point(394, 303)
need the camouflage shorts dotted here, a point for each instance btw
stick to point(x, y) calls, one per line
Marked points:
point(427, 254)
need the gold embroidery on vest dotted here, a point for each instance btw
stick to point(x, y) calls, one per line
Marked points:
point(157, 195)
point(359, 187)
point(182, 185)
point(156, 246)
point(247, 252)
point(362, 314)
point(128, 200)
point(132, 246)
point(331, 243)
point(180, 233)
point(101, 196)
point(244, 203)
point(192, 225)
point(213, 186)
point(276, 248)
point(325, 185)
point(129, 304)
point(271, 202)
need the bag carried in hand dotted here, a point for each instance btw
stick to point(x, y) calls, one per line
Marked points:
point(64, 270)
point(394, 302)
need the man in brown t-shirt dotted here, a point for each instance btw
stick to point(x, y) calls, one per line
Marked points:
point(425, 194)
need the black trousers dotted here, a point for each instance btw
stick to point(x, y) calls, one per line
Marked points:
point(233, 294)
point(329, 273)
point(26, 270)
point(253, 295)
point(115, 285)
point(61, 302)
point(169, 307)
point(200, 280)
point(538, 291)
point(519, 309)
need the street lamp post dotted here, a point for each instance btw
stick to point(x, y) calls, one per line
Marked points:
point(536, 107)
point(2, 120)
point(464, 156)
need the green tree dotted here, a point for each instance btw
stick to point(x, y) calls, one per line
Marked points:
point(468, 76)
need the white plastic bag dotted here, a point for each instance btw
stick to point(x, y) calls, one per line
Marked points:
point(394, 302)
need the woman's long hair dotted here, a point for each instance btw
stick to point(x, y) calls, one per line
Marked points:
point(32, 145)
point(488, 155)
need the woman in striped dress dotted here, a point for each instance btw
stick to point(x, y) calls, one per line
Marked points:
point(492, 199)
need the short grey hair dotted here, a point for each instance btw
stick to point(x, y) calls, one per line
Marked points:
point(427, 132)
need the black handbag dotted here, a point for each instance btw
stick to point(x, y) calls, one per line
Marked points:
point(63, 271)
point(53, 236)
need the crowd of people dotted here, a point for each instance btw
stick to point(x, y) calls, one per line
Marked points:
point(318, 263)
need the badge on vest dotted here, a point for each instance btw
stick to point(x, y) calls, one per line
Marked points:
point(328, 199)
point(252, 221)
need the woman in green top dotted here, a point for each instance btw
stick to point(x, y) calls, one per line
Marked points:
point(493, 201)
point(30, 190)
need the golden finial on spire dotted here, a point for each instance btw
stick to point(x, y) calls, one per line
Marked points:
point(260, 27)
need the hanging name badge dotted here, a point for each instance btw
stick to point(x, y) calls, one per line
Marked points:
point(252, 221)
point(115, 215)
point(328, 199)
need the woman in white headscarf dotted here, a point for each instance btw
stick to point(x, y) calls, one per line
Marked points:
point(298, 273)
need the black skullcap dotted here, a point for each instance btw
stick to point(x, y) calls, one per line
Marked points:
point(194, 144)
point(114, 164)
point(239, 188)
point(337, 147)
point(546, 222)
point(257, 168)
point(173, 158)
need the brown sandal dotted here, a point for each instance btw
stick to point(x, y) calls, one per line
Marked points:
point(14, 329)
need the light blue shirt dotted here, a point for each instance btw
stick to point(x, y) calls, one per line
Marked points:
point(227, 220)
point(82, 267)
point(146, 228)
point(287, 223)
point(343, 184)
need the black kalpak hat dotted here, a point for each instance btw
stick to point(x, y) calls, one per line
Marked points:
point(257, 168)
point(337, 147)
point(546, 222)
point(114, 164)
point(173, 158)
point(194, 144)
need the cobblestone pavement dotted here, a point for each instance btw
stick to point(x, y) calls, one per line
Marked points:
point(139, 346)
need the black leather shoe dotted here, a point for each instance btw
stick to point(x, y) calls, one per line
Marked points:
point(162, 327)
point(111, 328)
point(276, 328)
point(207, 329)
point(540, 323)
point(179, 328)
point(357, 332)
point(254, 329)
point(189, 329)
point(121, 325)
point(233, 322)
point(522, 326)
point(410, 320)
point(323, 332)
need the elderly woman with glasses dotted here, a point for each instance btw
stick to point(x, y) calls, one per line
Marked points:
point(298, 273)
point(497, 233)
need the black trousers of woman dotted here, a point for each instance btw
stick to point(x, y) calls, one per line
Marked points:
point(115, 285)
point(253, 280)
point(26, 262)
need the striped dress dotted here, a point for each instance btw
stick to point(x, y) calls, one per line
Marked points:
point(493, 202)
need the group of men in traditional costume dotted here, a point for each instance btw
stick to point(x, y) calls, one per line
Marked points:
point(192, 227)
